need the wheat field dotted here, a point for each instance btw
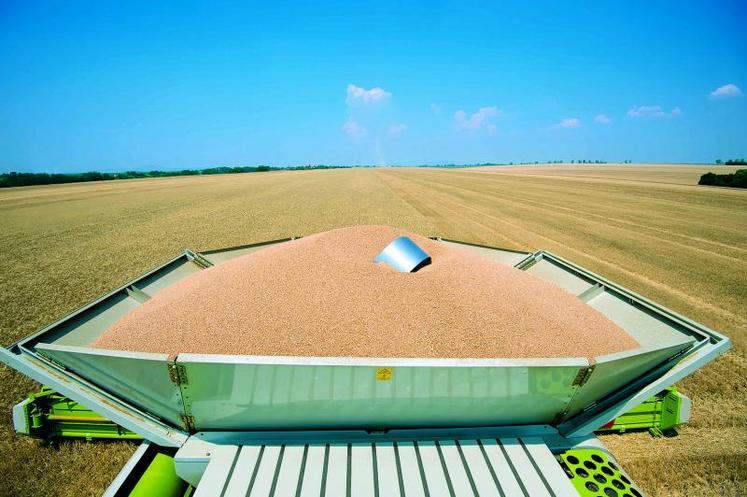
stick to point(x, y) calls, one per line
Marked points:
point(646, 227)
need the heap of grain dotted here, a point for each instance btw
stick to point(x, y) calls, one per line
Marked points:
point(323, 295)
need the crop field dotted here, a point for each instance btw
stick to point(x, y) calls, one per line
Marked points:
point(648, 228)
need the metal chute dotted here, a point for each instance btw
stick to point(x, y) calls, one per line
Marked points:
point(404, 255)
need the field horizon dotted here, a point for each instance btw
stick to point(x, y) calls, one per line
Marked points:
point(648, 227)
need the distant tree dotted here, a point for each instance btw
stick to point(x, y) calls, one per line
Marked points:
point(735, 180)
point(718, 161)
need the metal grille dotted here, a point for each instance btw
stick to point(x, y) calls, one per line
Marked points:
point(505, 467)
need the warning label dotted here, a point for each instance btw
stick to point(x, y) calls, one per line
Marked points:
point(384, 374)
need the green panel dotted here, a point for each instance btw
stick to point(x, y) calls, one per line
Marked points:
point(660, 412)
point(160, 479)
point(233, 394)
point(593, 474)
point(51, 415)
point(138, 378)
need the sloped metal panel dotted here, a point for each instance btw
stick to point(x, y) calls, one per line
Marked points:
point(167, 276)
point(88, 325)
point(234, 392)
point(139, 378)
point(222, 255)
point(613, 371)
point(566, 280)
point(647, 328)
point(501, 256)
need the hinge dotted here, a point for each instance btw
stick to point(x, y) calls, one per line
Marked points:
point(188, 422)
point(199, 259)
point(583, 376)
point(593, 404)
point(177, 373)
point(558, 417)
point(47, 358)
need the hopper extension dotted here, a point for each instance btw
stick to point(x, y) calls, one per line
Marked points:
point(484, 424)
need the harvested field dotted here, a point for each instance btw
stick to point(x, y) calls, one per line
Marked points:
point(667, 239)
point(322, 295)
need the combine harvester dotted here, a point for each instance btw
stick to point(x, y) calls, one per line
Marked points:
point(260, 426)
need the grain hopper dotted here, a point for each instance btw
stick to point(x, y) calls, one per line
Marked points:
point(291, 425)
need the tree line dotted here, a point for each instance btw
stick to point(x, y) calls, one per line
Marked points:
point(14, 178)
point(732, 162)
point(734, 180)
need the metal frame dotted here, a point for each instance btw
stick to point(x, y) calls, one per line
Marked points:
point(23, 356)
point(710, 345)
point(500, 461)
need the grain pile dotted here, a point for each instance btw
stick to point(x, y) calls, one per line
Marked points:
point(323, 296)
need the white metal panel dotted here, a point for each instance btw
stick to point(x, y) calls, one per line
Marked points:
point(163, 279)
point(105, 404)
point(412, 480)
point(387, 473)
point(613, 371)
point(262, 393)
point(524, 468)
point(559, 483)
point(311, 486)
point(20, 420)
point(646, 328)
point(506, 257)
point(218, 472)
point(456, 472)
point(553, 273)
point(337, 471)
point(434, 473)
point(478, 468)
point(84, 328)
point(266, 472)
point(362, 469)
point(504, 473)
point(441, 467)
point(141, 378)
point(290, 469)
point(243, 471)
point(222, 255)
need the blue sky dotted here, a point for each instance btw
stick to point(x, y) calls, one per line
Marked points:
point(132, 85)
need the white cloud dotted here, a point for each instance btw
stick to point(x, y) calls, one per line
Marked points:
point(480, 119)
point(569, 122)
point(353, 129)
point(374, 95)
point(726, 91)
point(435, 108)
point(395, 129)
point(653, 111)
point(602, 119)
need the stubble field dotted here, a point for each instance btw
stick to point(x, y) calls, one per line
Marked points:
point(646, 227)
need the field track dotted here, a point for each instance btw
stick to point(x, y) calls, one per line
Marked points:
point(648, 228)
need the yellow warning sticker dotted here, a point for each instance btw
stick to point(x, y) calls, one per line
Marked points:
point(384, 374)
